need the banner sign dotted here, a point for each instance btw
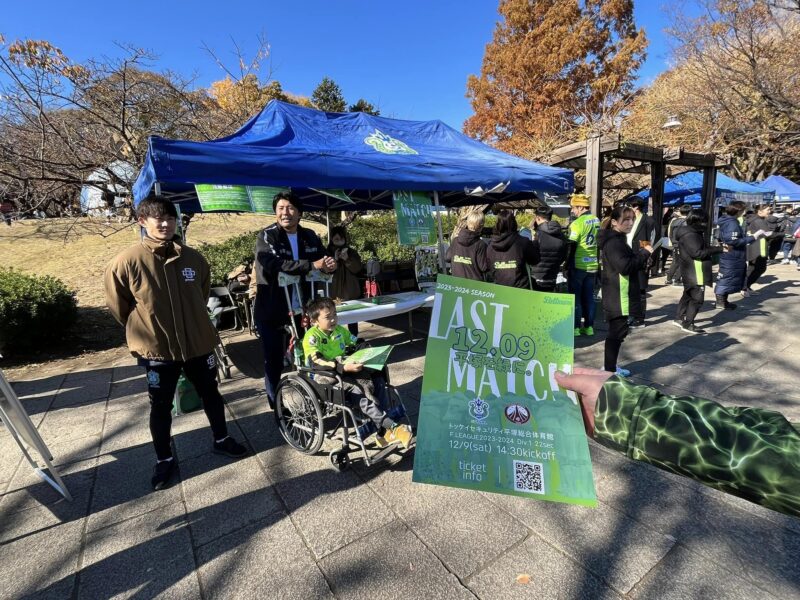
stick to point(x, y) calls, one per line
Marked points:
point(492, 417)
point(239, 198)
point(414, 218)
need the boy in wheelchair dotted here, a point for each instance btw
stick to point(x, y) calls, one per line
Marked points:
point(325, 345)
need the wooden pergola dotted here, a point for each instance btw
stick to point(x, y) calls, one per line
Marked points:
point(613, 163)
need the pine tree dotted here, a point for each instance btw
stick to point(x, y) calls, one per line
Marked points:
point(328, 96)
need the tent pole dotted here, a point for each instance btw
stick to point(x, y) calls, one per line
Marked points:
point(439, 229)
point(328, 218)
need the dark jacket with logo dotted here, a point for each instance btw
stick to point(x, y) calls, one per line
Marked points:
point(552, 252)
point(621, 266)
point(273, 256)
point(509, 255)
point(158, 291)
point(467, 255)
point(695, 256)
point(732, 264)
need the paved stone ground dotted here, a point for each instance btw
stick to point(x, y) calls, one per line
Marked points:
point(284, 525)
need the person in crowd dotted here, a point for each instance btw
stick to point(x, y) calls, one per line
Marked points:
point(582, 262)
point(7, 210)
point(239, 280)
point(665, 251)
point(325, 346)
point(346, 285)
point(283, 247)
point(620, 280)
point(747, 452)
point(643, 232)
point(695, 257)
point(509, 253)
point(467, 252)
point(758, 250)
point(732, 264)
point(157, 289)
point(792, 227)
point(678, 220)
point(778, 222)
point(552, 250)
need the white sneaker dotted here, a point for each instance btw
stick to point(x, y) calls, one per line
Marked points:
point(785, 261)
point(745, 293)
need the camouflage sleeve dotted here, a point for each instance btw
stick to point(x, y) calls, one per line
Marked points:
point(747, 452)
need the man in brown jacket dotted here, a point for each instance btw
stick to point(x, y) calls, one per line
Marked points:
point(158, 289)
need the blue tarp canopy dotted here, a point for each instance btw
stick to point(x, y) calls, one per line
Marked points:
point(687, 188)
point(786, 190)
point(368, 157)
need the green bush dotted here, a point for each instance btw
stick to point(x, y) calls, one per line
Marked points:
point(226, 256)
point(375, 234)
point(34, 311)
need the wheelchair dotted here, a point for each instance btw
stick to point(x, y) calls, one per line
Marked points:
point(307, 411)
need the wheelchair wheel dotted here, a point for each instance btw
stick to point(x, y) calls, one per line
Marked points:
point(340, 460)
point(299, 415)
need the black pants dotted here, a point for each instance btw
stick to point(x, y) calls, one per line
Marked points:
point(540, 286)
point(674, 273)
point(639, 304)
point(274, 344)
point(617, 332)
point(690, 303)
point(162, 378)
point(367, 388)
point(665, 254)
point(755, 269)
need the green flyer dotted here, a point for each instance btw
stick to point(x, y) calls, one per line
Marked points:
point(261, 198)
point(414, 218)
point(492, 417)
point(237, 198)
point(372, 358)
point(223, 197)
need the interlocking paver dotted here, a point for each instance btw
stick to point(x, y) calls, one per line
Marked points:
point(282, 524)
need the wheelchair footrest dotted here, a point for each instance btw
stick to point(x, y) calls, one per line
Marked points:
point(367, 429)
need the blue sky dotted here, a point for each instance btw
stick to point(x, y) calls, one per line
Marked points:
point(410, 58)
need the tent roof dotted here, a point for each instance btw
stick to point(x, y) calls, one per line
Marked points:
point(688, 187)
point(368, 157)
point(785, 189)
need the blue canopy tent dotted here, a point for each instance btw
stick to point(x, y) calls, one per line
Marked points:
point(687, 188)
point(786, 190)
point(368, 157)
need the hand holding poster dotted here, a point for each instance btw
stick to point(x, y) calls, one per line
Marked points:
point(492, 417)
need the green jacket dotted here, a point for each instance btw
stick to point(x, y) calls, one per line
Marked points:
point(747, 452)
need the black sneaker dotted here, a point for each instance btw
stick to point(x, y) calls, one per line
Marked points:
point(230, 447)
point(637, 324)
point(691, 328)
point(162, 473)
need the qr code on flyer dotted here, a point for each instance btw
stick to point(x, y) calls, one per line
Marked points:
point(528, 477)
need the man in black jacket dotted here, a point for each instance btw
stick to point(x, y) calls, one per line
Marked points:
point(643, 231)
point(467, 252)
point(695, 257)
point(678, 220)
point(758, 251)
point(552, 250)
point(284, 247)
